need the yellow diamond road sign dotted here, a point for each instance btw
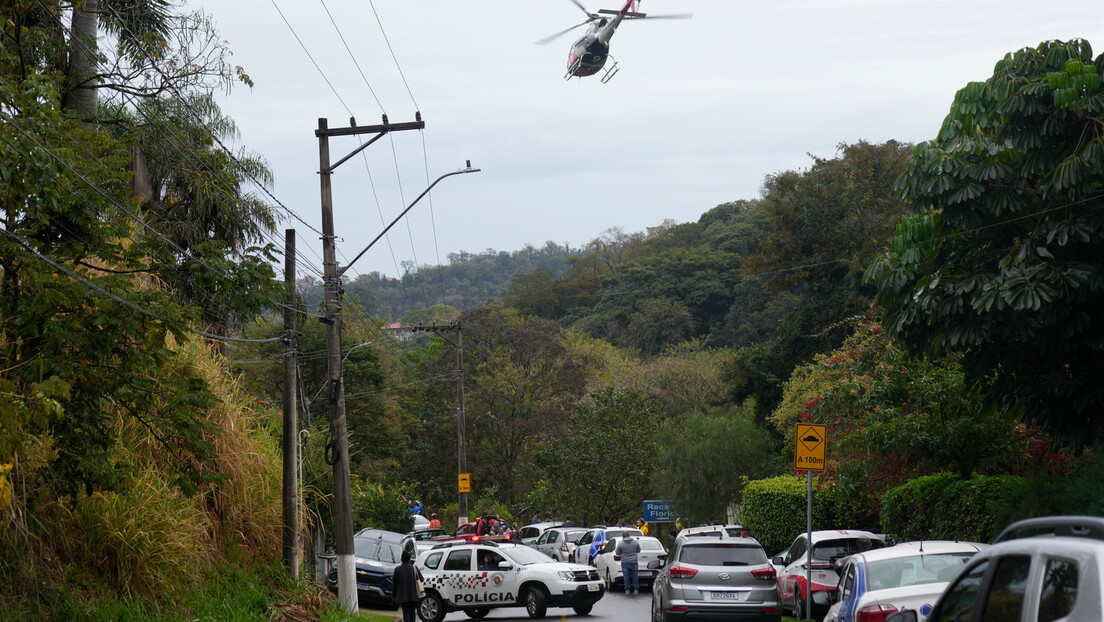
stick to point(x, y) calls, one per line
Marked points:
point(811, 447)
point(464, 480)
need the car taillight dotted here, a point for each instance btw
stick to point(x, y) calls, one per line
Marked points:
point(766, 574)
point(563, 547)
point(680, 572)
point(875, 613)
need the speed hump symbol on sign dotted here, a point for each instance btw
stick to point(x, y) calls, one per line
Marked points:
point(811, 446)
point(464, 481)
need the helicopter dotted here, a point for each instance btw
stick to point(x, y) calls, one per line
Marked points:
point(589, 53)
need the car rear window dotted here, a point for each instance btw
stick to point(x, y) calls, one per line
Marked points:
point(835, 549)
point(650, 545)
point(722, 554)
point(915, 570)
point(575, 536)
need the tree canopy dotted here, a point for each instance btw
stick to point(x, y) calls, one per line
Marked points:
point(1003, 258)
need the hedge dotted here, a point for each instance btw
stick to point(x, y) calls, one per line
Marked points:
point(947, 507)
point(775, 511)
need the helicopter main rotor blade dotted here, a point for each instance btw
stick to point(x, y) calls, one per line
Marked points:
point(583, 9)
point(561, 33)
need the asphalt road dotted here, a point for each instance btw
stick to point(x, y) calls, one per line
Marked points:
point(614, 607)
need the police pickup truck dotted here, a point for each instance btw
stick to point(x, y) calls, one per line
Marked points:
point(477, 577)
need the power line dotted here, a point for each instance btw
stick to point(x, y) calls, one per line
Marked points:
point(96, 288)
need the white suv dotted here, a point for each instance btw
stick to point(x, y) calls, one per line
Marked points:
point(1042, 569)
point(476, 577)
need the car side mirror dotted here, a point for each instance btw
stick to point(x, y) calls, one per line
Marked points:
point(655, 564)
point(908, 615)
point(779, 561)
point(505, 565)
point(822, 598)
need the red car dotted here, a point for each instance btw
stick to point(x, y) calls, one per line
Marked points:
point(467, 532)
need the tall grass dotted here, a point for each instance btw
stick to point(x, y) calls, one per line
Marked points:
point(145, 549)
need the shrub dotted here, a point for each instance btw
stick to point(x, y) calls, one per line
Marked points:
point(947, 507)
point(775, 510)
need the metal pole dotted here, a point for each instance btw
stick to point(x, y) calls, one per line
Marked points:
point(337, 450)
point(809, 550)
point(291, 434)
point(461, 422)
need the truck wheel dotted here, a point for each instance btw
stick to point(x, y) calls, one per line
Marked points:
point(477, 614)
point(431, 608)
point(536, 603)
point(583, 609)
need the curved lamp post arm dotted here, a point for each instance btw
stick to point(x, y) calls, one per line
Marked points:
point(468, 169)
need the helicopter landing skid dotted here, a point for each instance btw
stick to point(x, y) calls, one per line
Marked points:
point(573, 68)
point(612, 71)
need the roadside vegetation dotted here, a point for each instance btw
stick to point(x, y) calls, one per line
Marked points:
point(935, 305)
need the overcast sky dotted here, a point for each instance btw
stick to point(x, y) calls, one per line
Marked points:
point(701, 110)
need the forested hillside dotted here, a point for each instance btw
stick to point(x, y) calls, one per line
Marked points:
point(468, 280)
point(936, 306)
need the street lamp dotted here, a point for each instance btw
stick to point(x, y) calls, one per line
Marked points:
point(342, 488)
point(467, 169)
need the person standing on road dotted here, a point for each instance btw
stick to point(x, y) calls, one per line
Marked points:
point(433, 522)
point(628, 551)
point(404, 587)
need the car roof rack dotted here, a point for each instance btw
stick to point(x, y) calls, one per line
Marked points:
point(1070, 526)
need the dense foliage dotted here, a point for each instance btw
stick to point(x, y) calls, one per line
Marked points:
point(776, 510)
point(1002, 259)
point(947, 507)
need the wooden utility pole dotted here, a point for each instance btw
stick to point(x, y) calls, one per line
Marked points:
point(291, 432)
point(337, 451)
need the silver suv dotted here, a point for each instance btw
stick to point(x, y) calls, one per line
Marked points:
point(714, 577)
point(1040, 569)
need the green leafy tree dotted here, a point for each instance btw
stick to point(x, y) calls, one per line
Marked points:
point(1002, 259)
point(101, 337)
point(613, 433)
point(824, 226)
point(892, 415)
point(725, 447)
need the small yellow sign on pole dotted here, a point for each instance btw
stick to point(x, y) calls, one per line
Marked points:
point(464, 481)
point(811, 448)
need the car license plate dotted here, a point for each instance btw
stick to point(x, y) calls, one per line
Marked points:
point(645, 573)
point(594, 587)
point(726, 595)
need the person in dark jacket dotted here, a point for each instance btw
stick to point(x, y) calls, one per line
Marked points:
point(404, 588)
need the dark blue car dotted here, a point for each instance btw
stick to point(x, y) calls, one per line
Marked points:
point(377, 553)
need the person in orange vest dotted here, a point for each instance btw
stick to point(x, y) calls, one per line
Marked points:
point(433, 522)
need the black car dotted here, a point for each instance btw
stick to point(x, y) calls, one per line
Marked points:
point(378, 553)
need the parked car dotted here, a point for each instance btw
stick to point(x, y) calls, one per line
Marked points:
point(828, 547)
point(715, 578)
point(559, 542)
point(592, 542)
point(609, 564)
point(429, 537)
point(528, 534)
point(477, 577)
point(729, 531)
point(467, 532)
point(1045, 569)
point(377, 553)
point(910, 575)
